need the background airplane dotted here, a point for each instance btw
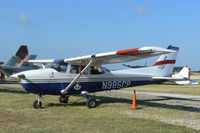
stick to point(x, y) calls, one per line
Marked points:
point(134, 66)
point(85, 74)
point(15, 63)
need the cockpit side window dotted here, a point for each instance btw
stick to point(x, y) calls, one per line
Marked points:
point(63, 68)
point(97, 70)
point(76, 69)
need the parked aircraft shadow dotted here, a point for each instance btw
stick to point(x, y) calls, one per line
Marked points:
point(149, 103)
point(81, 102)
point(9, 82)
point(74, 103)
point(57, 105)
point(100, 100)
point(164, 105)
point(12, 91)
point(173, 98)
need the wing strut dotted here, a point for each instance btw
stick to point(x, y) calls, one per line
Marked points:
point(75, 79)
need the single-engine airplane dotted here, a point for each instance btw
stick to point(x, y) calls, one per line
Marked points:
point(85, 74)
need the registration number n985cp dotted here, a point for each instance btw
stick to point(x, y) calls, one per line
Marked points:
point(115, 84)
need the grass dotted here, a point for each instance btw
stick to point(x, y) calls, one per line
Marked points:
point(112, 115)
point(169, 87)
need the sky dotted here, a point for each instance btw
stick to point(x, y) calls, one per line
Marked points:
point(55, 29)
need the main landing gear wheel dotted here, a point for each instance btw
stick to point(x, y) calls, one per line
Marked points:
point(37, 104)
point(91, 103)
point(63, 99)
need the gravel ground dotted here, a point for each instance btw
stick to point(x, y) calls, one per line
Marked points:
point(170, 108)
point(11, 85)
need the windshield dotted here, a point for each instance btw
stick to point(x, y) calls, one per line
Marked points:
point(58, 65)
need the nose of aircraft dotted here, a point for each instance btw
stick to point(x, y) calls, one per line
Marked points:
point(18, 76)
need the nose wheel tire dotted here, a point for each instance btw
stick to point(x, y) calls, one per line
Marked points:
point(63, 99)
point(37, 104)
point(91, 103)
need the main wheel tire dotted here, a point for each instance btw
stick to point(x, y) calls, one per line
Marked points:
point(37, 105)
point(91, 103)
point(63, 99)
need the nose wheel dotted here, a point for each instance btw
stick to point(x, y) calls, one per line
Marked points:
point(63, 99)
point(37, 104)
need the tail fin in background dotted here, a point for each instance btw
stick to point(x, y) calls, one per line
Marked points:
point(184, 73)
point(26, 64)
point(20, 55)
point(181, 78)
point(11, 61)
point(22, 52)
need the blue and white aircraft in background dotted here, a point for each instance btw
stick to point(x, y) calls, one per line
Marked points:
point(85, 74)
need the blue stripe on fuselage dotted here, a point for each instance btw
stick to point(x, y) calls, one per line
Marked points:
point(55, 88)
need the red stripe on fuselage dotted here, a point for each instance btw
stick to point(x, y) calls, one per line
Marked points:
point(128, 51)
point(165, 62)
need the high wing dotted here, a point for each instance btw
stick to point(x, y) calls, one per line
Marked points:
point(119, 56)
point(113, 57)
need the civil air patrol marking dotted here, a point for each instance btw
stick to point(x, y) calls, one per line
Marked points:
point(77, 86)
